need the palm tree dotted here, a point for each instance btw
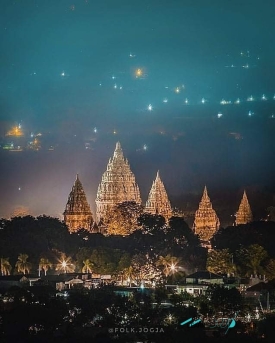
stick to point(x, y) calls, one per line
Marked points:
point(44, 264)
point(129, 274)
point(168, 264)
point(5, 266)
point(65, 264)
point(88, 266)
point(22, 264)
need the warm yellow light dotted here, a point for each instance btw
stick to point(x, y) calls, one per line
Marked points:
point(15, 131)
point(138, 72)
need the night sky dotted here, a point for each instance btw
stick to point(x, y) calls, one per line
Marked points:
point(171, 80)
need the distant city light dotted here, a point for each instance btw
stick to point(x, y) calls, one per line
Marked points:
point(203, 101)
point(219, 115)
point(186, 101)
point(113, 77)
point(250, 113)
point(165, 100)
point(115, 86)
point(150, 107)
point(177, 90)
point(264, 97)
point(138, 72)
point(95, 130)
point(63, 73)
point(237, 101)
point(250, 98)
point(145, 147)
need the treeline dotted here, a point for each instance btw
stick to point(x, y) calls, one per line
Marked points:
point(45, 241)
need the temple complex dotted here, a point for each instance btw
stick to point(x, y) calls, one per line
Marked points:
point(78, 214)
point(244, 214)
point(118, 184)
point(206, 220)
point(158, 202)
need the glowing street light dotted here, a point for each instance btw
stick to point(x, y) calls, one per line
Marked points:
point(173, 267)
point(64, 265)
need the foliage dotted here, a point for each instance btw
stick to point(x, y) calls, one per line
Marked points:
point(122, 218)
point(180, 234)
point(151, 223)
point(224, 300)
point(38, 236)
point(87, 266)
point(270, 269)
point(22, 265)
point(251, 258)
point(168, 264)
point(144, 270)
point(232, 237)
point(220, 262)
point(45, 265)
point(5, 266)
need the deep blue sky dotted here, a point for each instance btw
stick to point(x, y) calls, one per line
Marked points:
point(69, 66)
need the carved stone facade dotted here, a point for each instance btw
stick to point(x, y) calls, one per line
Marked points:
point(206, 220)
point(244, 214)
point(78, 214)
point(118, 184)
point(158, 202)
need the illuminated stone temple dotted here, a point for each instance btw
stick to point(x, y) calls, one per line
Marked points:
point(118, 184)
point(78, 214)
point(206, 220)
point(158, 202)
point(244, 214)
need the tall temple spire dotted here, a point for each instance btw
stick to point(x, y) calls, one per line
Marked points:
point(206, 220)
point(244, 214)
point(158, 202)
point(77, 214)
point(117, 185)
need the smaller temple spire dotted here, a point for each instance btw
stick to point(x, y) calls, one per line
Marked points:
point(158, 202)
point(77, 214)
point(244, 213)
point(206, 220)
